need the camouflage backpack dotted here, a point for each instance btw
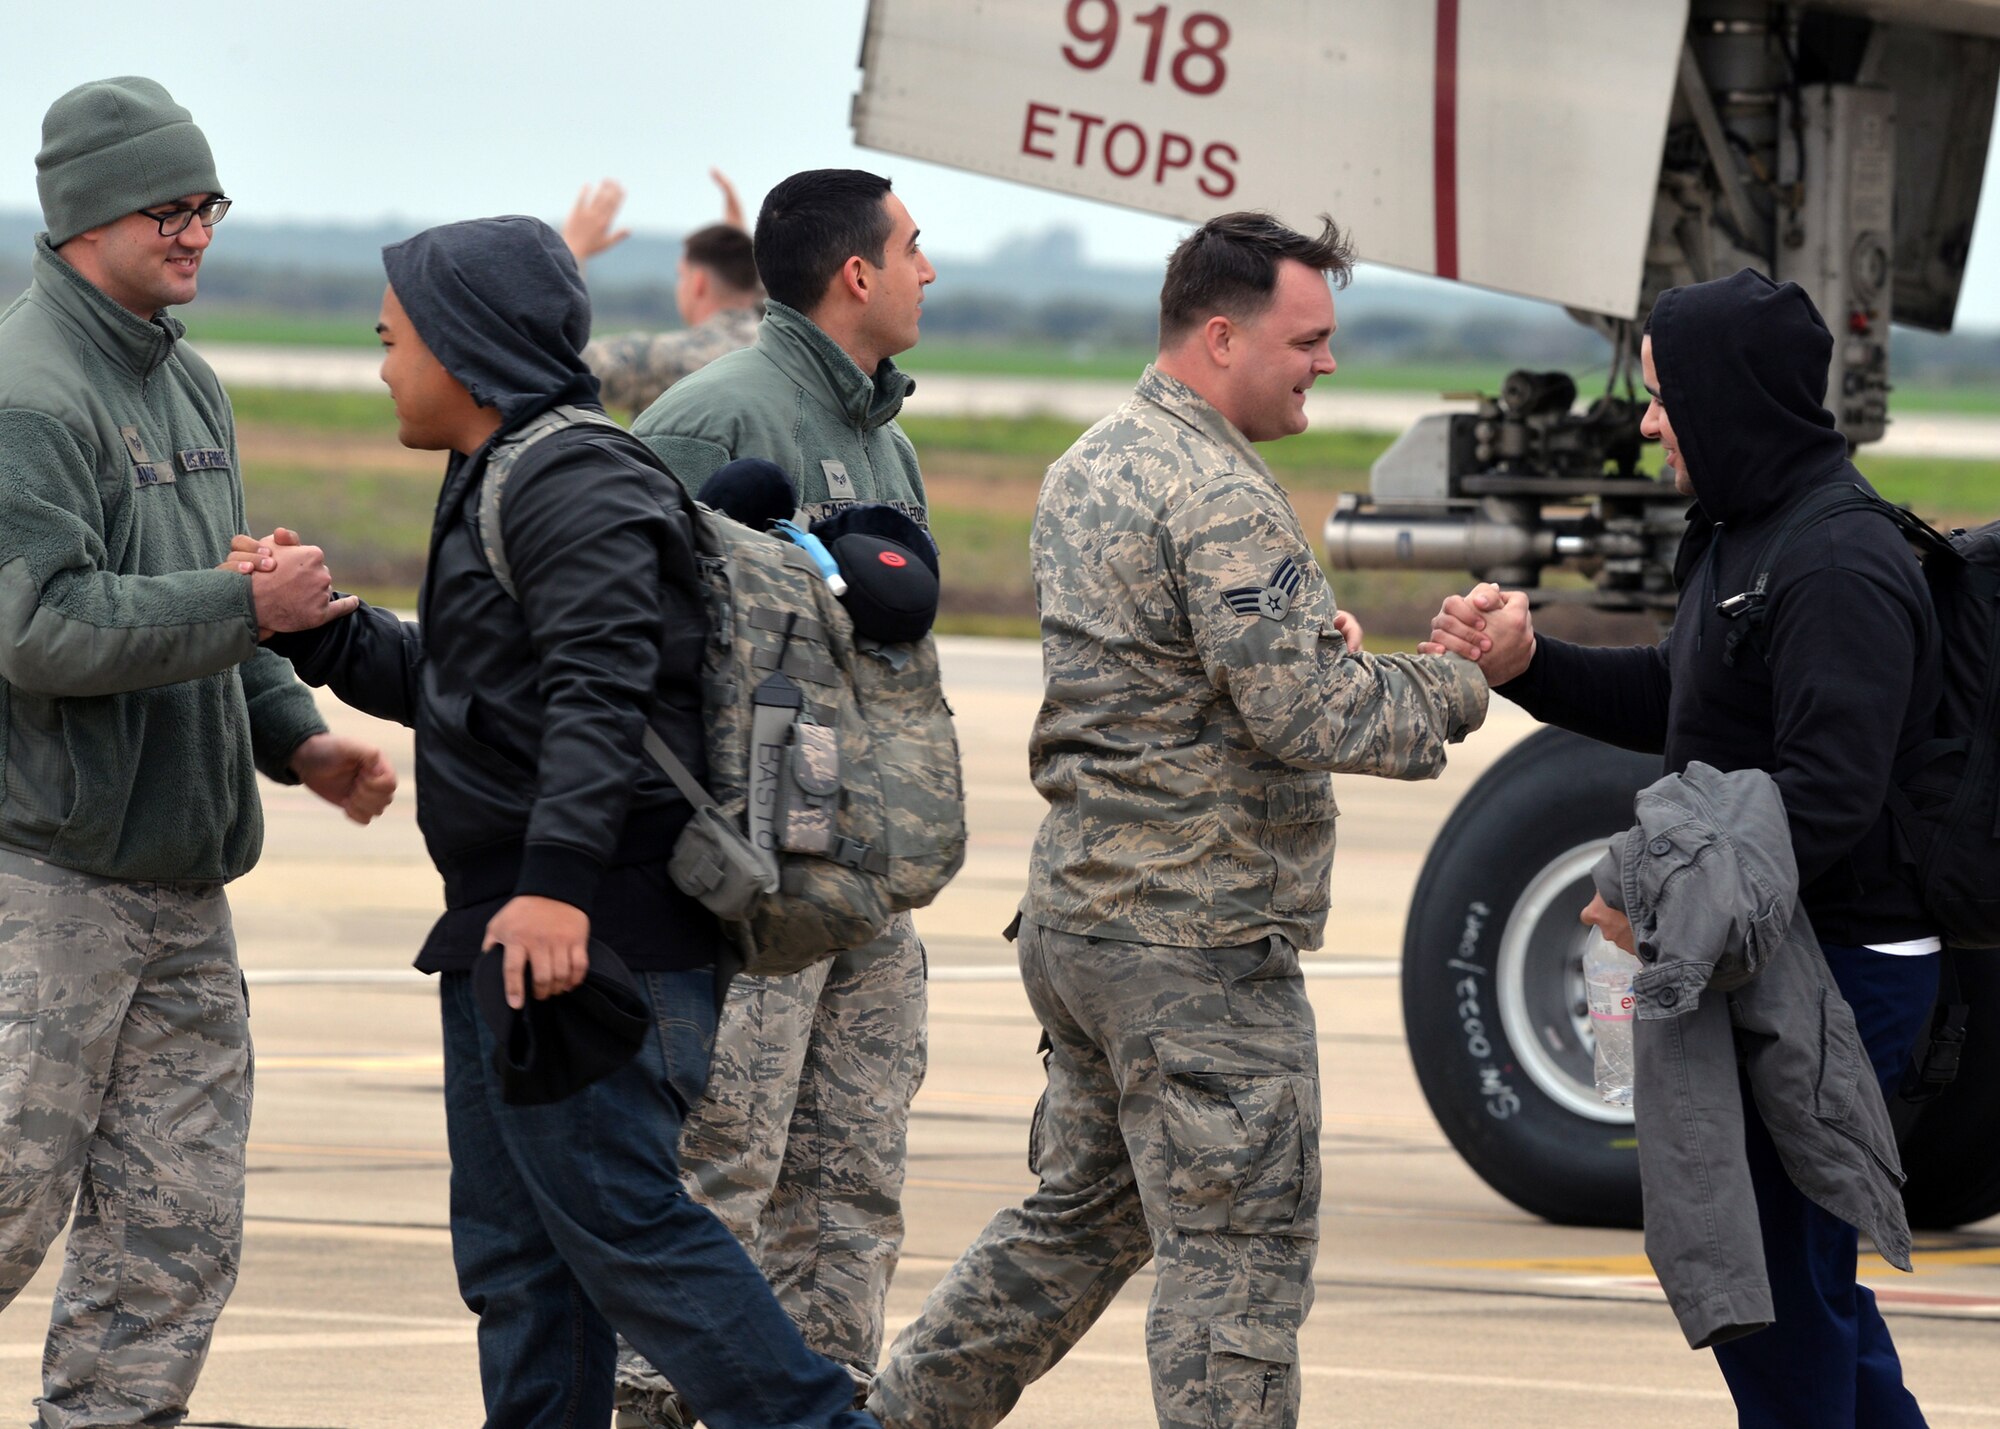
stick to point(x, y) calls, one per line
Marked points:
point(834, 797)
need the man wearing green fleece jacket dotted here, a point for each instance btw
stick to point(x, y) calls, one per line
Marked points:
point(136, 711)
point(800, 1142)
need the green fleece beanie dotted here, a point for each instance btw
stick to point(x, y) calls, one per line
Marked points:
point(113, 147)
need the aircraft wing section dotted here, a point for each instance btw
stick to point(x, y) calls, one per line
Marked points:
point(1513, 144)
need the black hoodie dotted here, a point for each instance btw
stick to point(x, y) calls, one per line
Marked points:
point(1853, 677)
point(528, 714)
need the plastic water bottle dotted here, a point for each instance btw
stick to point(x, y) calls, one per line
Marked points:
point(1607, 973)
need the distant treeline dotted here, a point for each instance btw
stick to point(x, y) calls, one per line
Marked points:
point(960, 314)
point(1042, 293)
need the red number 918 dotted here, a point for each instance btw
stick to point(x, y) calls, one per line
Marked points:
point(1197, 66)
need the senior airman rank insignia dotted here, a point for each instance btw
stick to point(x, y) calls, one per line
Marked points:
point(1273, 601)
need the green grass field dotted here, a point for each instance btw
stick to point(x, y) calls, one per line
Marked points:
point(328, 464)
point(1057, 360)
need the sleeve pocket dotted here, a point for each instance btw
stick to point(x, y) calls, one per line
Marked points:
point(1300, 817)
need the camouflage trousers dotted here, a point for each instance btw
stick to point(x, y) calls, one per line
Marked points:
point(125, 1091)
point(1180, 1124)
point(800, 1142)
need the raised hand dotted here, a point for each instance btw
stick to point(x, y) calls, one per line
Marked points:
point(588, 230)
point(732, 206)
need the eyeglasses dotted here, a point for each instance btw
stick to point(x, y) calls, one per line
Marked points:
point(175, 220)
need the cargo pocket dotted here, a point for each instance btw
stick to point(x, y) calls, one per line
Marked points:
point(18, 1011)
point(1299, 820)
point(1036, 1122)
point(1240, 1122)
point(1252, 1375)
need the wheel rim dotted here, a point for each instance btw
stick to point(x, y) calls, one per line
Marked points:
point(1539, 978)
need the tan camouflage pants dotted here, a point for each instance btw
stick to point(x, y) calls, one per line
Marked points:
point(800, 1142)
point(1181, 1123)
point(125, 1090)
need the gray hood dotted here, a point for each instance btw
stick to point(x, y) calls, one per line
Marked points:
point(502, 305)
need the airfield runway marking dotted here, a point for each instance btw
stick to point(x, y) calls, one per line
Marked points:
point(370, 1153)
point(1534, 1386)
point(1927, 1262)
point(304, 1342)
point(430, 1062)
point(346, 1317)
point(1624, 1275)
point(1340, 968)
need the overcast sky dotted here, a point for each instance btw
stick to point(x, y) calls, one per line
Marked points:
point(368, 109)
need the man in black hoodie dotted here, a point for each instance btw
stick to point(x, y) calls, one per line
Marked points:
point(1737, 372)
point(551, 830)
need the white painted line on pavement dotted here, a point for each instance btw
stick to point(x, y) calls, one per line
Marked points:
point(1311, 967)
point(305, 1342)
point(307, 977)
point(1594, 1387)
point(969, 972)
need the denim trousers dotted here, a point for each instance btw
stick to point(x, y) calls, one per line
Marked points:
point(1827, 1361)
point(569, 1225)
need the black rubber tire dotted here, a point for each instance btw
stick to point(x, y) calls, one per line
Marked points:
point(1547, 796)
point(1954, 1175)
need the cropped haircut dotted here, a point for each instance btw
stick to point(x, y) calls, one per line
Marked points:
point(725, 251)
point(1230, 266)
point(811, 224)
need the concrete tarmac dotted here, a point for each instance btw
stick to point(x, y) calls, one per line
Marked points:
point(1438, 1302)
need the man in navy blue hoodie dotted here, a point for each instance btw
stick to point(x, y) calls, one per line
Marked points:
point(568, 1218)
point(1845, 678)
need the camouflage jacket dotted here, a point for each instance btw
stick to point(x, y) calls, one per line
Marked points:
point(634, 368)
point(1197, 690)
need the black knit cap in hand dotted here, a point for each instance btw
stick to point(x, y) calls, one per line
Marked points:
point(551, 1048)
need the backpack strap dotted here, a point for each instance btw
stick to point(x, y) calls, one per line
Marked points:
point(1752, 607)
point(1934, 1061)
point(671, 766)
point(500, 463)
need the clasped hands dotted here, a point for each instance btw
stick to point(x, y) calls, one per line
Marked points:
point(1493, 627)
point(290, 586)
point(291, 589)
point(1488, 625)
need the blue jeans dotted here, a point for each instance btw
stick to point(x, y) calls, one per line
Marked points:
point(1827, 1361)
point(569, 1221)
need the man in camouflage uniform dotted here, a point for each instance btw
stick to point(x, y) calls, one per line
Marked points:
point(716, 290)
point(1199, 682)
point(136, 711)
point(800, 1141)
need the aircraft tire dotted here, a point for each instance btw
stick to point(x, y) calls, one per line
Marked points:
point(1493, 1001)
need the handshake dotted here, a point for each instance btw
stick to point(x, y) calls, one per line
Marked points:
point(1488, 625)
point(290, 586)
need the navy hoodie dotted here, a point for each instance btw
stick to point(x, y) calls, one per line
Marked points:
point(1853, 677)
point(529, 712)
